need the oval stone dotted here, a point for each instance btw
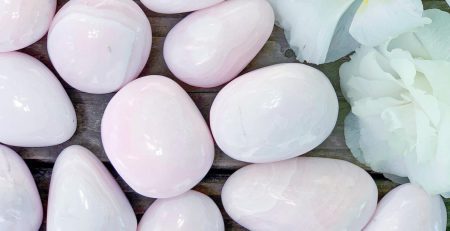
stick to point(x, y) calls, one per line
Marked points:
point(311, 193)
point(35, 110)
point(177, 214)
point(20, 203)
point(24, 22)
point(156, 137)
point(211, 46)
point(409, 207)
point(84, 196)
point(274, 113)
point(99, 46)
point(178, 6)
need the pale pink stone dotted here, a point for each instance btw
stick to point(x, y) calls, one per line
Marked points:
point(178, 6)
point(84, 196)
point(191, 211)
point(23, 22)
point(98, 46)
point(35, 110)
point(306, 193)
point(156, 137)
point(20, 203)
point(211, 46)
point(274, 113)
point(409, 207)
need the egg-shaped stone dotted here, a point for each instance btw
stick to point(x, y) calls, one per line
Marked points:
point(84, 196)
point(274, 113)
point(178, 6)
point(99, 46)
point(20, 203)
point(24, 22)
point(304, 193)
point(190, 211)
point(409, 207)
point(156, 137)
point(35, 110)
point(211, 46)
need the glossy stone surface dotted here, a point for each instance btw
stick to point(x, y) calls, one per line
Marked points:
point(23, 22)
point(211, 46)
point(409, 207)
point(156, 137)
point(99, 46)
point(35, 110)
point(274, 113)
point(312, 193)
point(178, 6)
point(20, 203)
point(191, 211)
point(84, 196)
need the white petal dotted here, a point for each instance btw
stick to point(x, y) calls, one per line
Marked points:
point(435, 37)
point(437, 73)
point(351, 133)
point(310, 26)
point(377, 21)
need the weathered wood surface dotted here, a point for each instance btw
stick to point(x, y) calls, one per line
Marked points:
point(90, 110)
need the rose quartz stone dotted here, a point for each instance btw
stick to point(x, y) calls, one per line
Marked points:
point(178, 6)
point(84, 196)
point(23, 22)
point(35, 110)
point(191, 211)
point(98, 46)
point(409, 207)
point(211, 46)
point(316, 194)
point(20, 203)
point(156, 137)
point(274, 113)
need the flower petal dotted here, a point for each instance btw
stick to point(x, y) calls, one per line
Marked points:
point(310, 26)
point(435, 37)
point(377, 21)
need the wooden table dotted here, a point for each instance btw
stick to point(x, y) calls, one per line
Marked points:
point(90, 110)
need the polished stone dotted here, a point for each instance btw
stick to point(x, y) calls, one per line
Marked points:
point(99, 46)
point(84, 196)
point(314, 194)
point(156, 137)
point(211, 46)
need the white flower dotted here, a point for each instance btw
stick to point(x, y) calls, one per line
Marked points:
point(320, 31)
point(311, 26)
point(400, 98)
point(377, 21)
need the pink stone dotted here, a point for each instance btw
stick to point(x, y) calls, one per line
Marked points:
point(211, 46)
point(99, 46)
point(190, 211)
point(35, 110)
point(178, 6)
point(274, 113)
point(24, 22)
point(409, 207)
point(156, 137)
point(309, 193)
point(84, 196)
point(20, 203)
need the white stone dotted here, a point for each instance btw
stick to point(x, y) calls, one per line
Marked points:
point(84, 196)
point(274, 113)
point(314, 194)
point(20, 203)
point(35, 110)
point(190, 211)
